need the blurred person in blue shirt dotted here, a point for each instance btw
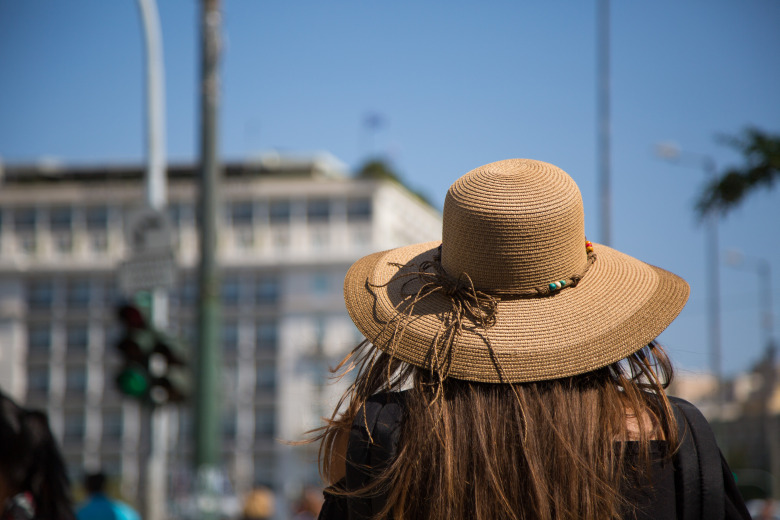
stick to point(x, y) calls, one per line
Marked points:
point(99, 506)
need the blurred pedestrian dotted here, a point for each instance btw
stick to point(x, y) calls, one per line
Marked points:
point(511, 372)
point(767, 510)
point(259, 504)
point(33, 478)
point(99, 506)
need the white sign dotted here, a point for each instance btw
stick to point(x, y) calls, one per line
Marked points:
point(150, 262)
point(147, 272)
point(146, 230)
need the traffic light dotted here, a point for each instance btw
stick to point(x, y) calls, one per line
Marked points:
point(154, 365)
point(170, 378)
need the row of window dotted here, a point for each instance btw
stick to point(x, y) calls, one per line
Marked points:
point(247, 213)
point(237, 290)
point(240, 213)
point(245, 238)
point(112, 425)
point(39, 381)
point(76, 293)
point(58, 218)
point(82, 293)
point(40, 337)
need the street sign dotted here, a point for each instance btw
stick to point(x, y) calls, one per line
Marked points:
point(150, 262)
point(148, 229)
point(144, 272)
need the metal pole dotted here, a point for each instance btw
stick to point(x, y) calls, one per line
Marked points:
point(207, 420)
point(156, 198)
point(604, 121)
point(156, 192)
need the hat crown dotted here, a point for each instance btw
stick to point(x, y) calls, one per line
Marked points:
point(514, 225)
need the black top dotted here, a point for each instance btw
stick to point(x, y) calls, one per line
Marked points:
point(669, 495)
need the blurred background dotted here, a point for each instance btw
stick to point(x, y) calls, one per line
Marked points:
point(336, 132)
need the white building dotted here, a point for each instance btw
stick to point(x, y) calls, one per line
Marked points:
point(289, 230)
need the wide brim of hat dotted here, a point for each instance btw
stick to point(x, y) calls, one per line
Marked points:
point(619, 306)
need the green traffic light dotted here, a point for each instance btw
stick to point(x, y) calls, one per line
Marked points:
point(133, 382)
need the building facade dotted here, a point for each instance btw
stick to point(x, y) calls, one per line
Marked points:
point(288, 230)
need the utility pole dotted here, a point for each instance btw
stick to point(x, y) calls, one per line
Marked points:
point(208, 364)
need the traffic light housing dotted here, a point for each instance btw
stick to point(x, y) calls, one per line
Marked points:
point(154, 365)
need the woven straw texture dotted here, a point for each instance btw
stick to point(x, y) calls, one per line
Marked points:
point(512, 226)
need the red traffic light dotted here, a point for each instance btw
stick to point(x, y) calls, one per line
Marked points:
point(132, 317)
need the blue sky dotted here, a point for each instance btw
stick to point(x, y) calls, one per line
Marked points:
point(457, 85)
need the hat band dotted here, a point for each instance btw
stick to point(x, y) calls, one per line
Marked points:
point(466, 302)
point(451, 284)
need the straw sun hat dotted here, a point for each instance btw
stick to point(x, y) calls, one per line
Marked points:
point(513, 292)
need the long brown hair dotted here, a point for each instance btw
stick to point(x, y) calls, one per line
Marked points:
point(539, 450)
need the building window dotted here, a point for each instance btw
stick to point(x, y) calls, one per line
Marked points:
point(229, 427)
point(38, 380)
point(320, 284)
point(25, 220)
point(111, 464)
point(77, 337)
point(188, 332)
point(111, 294)
point(266, 290)
point(74, 426)
point(266, 377)
point(76, 380)
point(359, 209)
point(231, 291)
point(113, 422)
point(266, 333)
point(176, 214)
point(97, 218)
point(264, 470)
point(38, 338)
point(40, 295)
point(60, 218)
point(188, 293)
point(241, 214)
point(78, 294)
point(279, 212)
point(264, 423)
point(318, 210)
point(230, 336)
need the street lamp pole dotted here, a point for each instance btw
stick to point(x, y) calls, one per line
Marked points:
point(156, 196)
